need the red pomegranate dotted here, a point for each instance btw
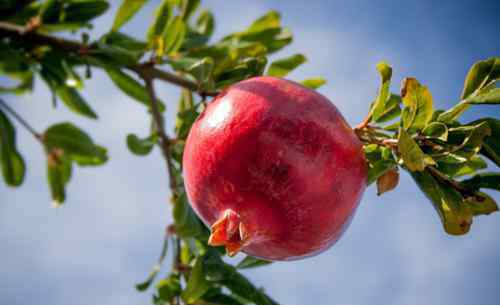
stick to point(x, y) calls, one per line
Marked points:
point(274, 169)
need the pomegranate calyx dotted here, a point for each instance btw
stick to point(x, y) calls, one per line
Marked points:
point(230, 232)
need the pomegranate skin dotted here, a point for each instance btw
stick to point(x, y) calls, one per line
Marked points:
point(274, 169)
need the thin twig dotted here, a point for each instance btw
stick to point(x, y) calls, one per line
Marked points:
point(20, 33)
point(160, 130)
point(20, 119)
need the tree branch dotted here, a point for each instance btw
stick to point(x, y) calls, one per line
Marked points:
point(147, 74)
point(18, 32)
point(20, 119)
point(160, 129)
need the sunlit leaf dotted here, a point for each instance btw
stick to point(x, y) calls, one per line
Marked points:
point(479, 75)
point(313, 83)
point(490, 97)
point(270, 20)
point(380, 103)
point(126, 11)
point(174, 35)
point(281, 67)
point(163, 14)
point(418, 102)
point(205, 23)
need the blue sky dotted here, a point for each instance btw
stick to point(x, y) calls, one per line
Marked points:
point(107, 236)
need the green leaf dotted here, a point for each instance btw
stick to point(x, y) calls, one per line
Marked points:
point(251, 262)
point(167, 289)
point(483, 180)
point(12, 163)
point(185, 120)
point(58, 175)
point(224, 274)
point(455, 215)
point(413, 157)
point(392, 109)
point(481, 204)
point(205, 23)
point(282, 67)
point(479, 88)
point(313, 83)
point(265, 30)
point(490, 97)
point(131, 87)
point(126, 11)
point(491, 143)
point(202, 71)
point(380, 160)
point(174, 35)
point(162, 15)
point(270, 20)
point(222, 299)
point(453, 113)
point(418, 102)
point(141, 147)
point(249, 67)
point(380, 103)
point(469, 138)
point(124, 43)
point(73, 142)
point(187, 223)
point(99, 158)
point(467, 167)
point(436, 130)
point(197, 285)
point(82, 11)
point(75, 102)
point(50, 11)
point(188, 7)
point(480, 75)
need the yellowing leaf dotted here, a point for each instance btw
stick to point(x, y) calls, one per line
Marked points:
point(418, 102)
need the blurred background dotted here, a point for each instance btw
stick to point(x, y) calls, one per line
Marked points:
point(108, 234)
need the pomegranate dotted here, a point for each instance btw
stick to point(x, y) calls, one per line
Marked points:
point(274, 169)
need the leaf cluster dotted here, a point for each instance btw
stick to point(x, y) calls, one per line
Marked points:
point(447, 159)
